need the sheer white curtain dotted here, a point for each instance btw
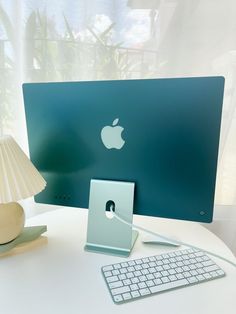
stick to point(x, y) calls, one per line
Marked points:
point(60, 40)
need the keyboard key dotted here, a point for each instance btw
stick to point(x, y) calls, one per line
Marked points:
point(178, 253)
point(211, 268)
point(178, 259)
point(157, 275)
point(145, 291)
point(159, 268)
point(193, 272)
point(171, 271)
point(118, 298)
point(205, 258)
point(150, 283)
point(192, 267)
point(107, 268)
point(145, 260)
point(199, 265)
point(157, 281)
point(117, 266)
point(166, 267)
point(123, 270)
point(135, 280)
point(169, 285)
point(107, 273)
point(199, 253)
point(173, 265)
point(131, 268)
point(138, 267)
point(124, 264)
point(144, 272)
point(127, 282)
point(213, 274)
point(207, 276)
point(208, 263)
point(192, 279)
point(220, 272)
point(187, 274)
point(116, 284)
point(179, 270)
point(179, 276)
point(142, 278)
point(112, 279)
point(150, 276)
point(126, 296)
point(186, 268)
point(122, 277)
point(200, 277)
point(134, 287)
point(200, 271)
point(135, 294)
point(129, 275)
point(142, 285)
point(172, 277)
point(120, 290)
point(152, 259)
point(165, 279)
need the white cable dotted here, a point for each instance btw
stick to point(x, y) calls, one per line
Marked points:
point(169, 239)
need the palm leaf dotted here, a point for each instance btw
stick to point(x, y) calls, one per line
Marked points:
point(96, 36)
point(4, 18)
point(103, 34)
point(68, 28)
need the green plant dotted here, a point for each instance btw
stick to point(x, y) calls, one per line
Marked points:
point(50, 55)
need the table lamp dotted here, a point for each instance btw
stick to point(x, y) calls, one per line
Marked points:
point(19, 179)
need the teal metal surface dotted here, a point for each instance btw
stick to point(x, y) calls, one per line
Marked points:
point(108, 235)
point(170, 130)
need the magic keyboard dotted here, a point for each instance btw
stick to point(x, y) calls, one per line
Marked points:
point(147, 276)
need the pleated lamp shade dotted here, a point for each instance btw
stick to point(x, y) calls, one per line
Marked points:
point(19, 179)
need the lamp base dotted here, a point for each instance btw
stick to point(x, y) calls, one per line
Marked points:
point(12, 220)
point(27, 235)
point(25, 247)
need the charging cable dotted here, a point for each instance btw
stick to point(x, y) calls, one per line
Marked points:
point(169, 239)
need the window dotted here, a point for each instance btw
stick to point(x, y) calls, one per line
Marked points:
point(63, 40)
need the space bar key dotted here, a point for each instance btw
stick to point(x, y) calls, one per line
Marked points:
point(169, 285)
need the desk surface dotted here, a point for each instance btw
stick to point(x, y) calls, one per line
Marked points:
point(61, 278)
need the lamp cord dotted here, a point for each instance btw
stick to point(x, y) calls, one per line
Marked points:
point(169, 239)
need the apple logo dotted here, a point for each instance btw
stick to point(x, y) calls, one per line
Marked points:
point(111, 136)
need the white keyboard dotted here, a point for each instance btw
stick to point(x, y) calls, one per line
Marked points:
point(143, 277)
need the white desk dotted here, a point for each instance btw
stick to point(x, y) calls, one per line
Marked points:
point(61, 278)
